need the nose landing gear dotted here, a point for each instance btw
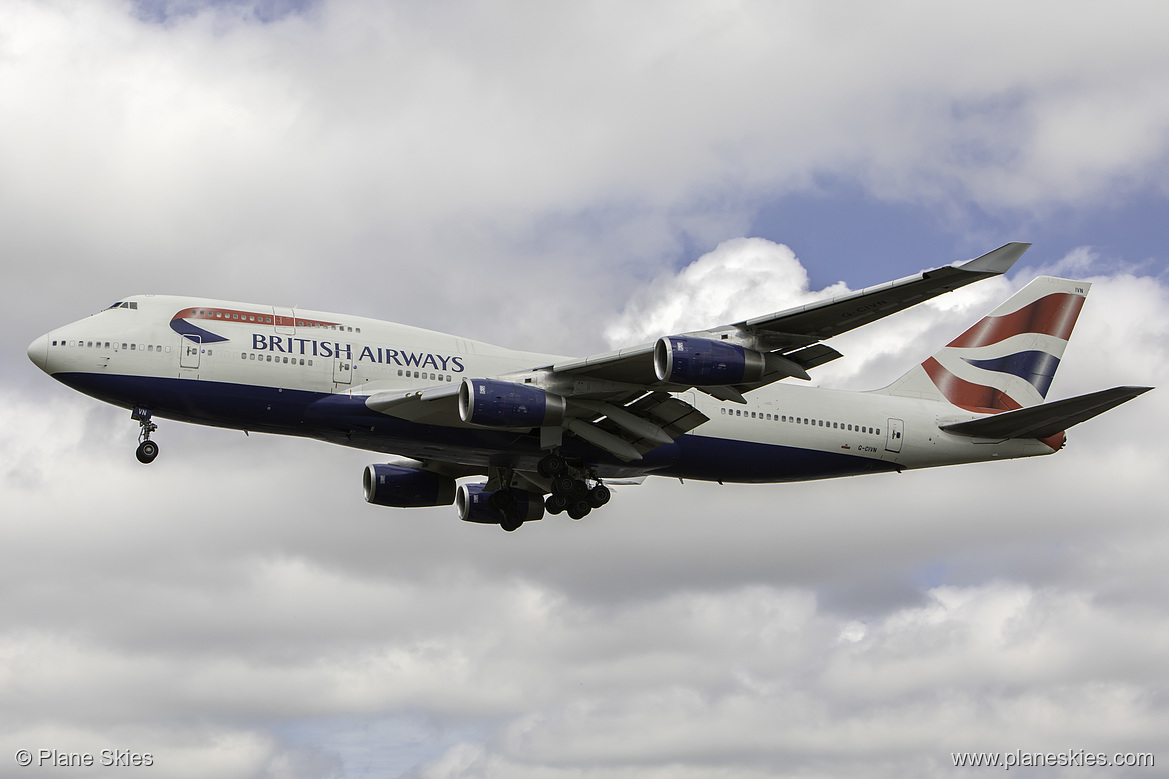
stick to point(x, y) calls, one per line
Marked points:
point(147, 450)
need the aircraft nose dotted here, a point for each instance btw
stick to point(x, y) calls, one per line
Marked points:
point(38, 352)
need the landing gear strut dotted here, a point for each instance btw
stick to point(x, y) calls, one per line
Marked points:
point(147, 449)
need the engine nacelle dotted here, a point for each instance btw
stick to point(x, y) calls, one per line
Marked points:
point(494, 403)
point(393, 485)
point(702, 362)
point(475, 504)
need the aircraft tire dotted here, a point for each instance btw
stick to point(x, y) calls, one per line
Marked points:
point(579, 490)
point(599, 496)
point(555, 504)
point(579, 509)
point(563, 485)
point(551, 466)
point(511, 525)
point(502, 501)
point(146, 452)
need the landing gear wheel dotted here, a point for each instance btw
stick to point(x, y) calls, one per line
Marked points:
point(511, 524)
point(599, 496)
point(146, 452)
point(579, 490)
point(579, 509)
point(555, 504)
point(147, 449)
point(563, 485)
point(551, 466)
point(502, 501)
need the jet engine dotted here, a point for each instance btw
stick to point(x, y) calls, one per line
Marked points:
point(393, 485)
point(494, 403)
point(488, 507)
point(702, 362)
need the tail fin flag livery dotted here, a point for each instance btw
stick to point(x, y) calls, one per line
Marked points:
point(1008, 359)
point(538, 433)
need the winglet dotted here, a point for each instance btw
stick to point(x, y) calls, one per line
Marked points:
point(998, 261)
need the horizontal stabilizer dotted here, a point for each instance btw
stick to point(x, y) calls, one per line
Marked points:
point(1046, 419)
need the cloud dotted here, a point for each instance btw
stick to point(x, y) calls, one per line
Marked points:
point(868, 625)
point(552, 177)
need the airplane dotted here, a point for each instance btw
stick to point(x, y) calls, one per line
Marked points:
point(549, 434)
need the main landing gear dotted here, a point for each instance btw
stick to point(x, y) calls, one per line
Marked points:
point(512, 515)
point(571, 493)
point(147, 449)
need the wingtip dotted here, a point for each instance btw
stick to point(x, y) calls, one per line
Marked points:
point(998, 261)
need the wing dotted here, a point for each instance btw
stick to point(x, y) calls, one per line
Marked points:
point(624, 402)
point(794, 335)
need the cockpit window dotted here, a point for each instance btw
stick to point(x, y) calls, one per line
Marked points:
point(116, 305)
point(122, 304)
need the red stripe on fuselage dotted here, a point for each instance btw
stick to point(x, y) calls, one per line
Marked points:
point(1053, 315)
point(236, 315)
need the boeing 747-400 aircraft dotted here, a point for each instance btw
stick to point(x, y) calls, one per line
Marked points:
point(546, 433)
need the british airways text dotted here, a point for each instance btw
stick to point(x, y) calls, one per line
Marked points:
point(310, 346)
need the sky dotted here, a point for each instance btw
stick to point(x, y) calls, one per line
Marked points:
point(570, 178)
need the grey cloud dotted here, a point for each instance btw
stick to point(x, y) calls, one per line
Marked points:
point(238, 609)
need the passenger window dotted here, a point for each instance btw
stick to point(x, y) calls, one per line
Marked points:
point(399, 372)
point(310, 363)
point(132, 347)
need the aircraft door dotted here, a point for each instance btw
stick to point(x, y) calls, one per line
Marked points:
point(189, 348)
point(284, 320)
point(893, 435)
point(343, 370)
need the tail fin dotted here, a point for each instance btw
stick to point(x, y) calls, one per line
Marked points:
point(1008, 359)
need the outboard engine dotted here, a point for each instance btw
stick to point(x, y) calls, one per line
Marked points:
point(495, 403)
point(701, 362)
point(498, 507)
point(394, 485)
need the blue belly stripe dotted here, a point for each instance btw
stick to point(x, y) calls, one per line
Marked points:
point(345, 420)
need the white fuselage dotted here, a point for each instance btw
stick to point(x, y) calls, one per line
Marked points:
point(257, 367)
